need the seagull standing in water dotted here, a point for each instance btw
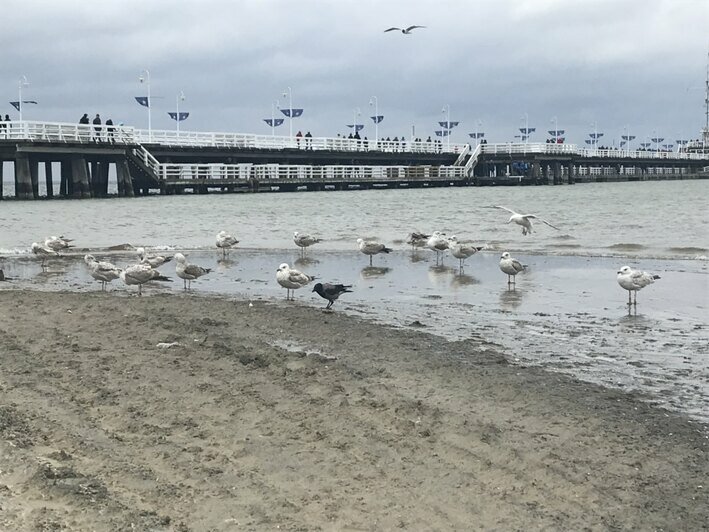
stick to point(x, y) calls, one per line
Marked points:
point(43, 252)
point(511, 267)
point(417, 240)
point(225, 241)
point(523, 219)
point(405, 31)
point(140, 274)
point(461, 250)
point(437, 242)
point(101, 270)
point(57, 243)
point(634, 281)
point(291, 279)
point(154, 261)
point(188, 272)
point(331, 291)
point(372, 247)
point(304, 240)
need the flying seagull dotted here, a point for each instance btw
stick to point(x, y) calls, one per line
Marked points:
point(511, 267)
point(523, 219)
point(331, 291)
point(633, 281)
point(406, 31)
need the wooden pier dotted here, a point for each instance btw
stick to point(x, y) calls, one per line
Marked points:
point(128, 162)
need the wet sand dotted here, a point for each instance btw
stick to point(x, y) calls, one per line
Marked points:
point(284, 416)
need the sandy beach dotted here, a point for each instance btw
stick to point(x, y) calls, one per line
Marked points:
point(184, 413)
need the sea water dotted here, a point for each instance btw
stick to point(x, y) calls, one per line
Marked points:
point(566, 312)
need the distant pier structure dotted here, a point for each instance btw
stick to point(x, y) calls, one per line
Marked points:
point(51, 159)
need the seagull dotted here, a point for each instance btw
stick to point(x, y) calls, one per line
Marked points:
point(188, 272)
point(372, 247)
point(437, 242)
point(42, 251)
point(461, 250)
point(101, 270)
point(154, 261)
point(523, 219)
point(511, 267)
point(291, 279)
point(225, 241)
point(304, 240)
point(417, 240)
point(405, 31)
point(634, 280)
point(57, 243)
point(140, 274)
point(331, 291)
point(2, 276)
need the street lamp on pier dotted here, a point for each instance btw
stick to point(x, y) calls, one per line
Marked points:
point(289, 93)
point(376, 118)
point(23, 83)
point(145, 78)
point(478, 134)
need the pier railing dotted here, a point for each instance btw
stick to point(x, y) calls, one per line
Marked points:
point(62, 133)
point(171, 173)
point(520, 148)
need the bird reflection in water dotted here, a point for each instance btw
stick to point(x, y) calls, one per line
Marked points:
point(305, 261)
point(461, 280)
point(225, 264)
point(511, 298)
point(416, 256)
point(372, 272)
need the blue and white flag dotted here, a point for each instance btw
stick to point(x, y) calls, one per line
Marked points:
point(143, 100)
point(294, 114)
point(443, 133)
point(556, 132)
point(377, 118)
point(16, 105)
point(657, 140)
point(179, 117)
point(477, 135)
point(448, 125)
point(623, 143)
point(627, 137)
point(595, 135)
point(527, 130)
point(590, 141)
point(681, 142)
point(274, 122)
point(644, 144)
point(668, 146)
point(358, 127)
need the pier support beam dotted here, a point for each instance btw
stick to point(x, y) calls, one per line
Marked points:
point(556, 171)
point(23, 179)
point(48, 178)
point(34, 176)
point(2, 164)
point(571, 171)
point(80, 177)
point(125, 183)
point(536, 170)
point(66, 185)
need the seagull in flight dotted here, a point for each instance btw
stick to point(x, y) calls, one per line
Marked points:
point(525, 220)
point(405, 31)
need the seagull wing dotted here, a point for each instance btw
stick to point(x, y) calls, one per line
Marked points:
point(295, 276)
point(196, 271)
point(504, 209)
point(392, 29)
point(541, 220)
point(517, 265)
point(413, 28)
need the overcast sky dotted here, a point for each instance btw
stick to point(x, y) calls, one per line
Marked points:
point(635, 63)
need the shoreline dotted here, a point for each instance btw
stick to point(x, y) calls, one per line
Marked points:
point(284, 415)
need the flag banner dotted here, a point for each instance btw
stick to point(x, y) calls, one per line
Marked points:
point(556, 133)
point(644, 144)
point(561, 139)
point(627, 137)
point(358, 127)
point(292, 113)
point(442, 133)
point(16, 105)
point(623, 143)
point(589, 141)
point(142, 100)
point(681, 142)
point(667, 146)
point(527, 130)
point(448, 125)
point(180, 117)
point(478, 135)
point(595, 135)
point(377, 118)
point(274, 122)
point(657, 140)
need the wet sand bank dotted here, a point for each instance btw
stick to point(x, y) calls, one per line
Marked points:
point(282, 415)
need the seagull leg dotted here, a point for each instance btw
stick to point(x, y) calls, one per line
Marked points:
point(140, 289)
point(370, 260)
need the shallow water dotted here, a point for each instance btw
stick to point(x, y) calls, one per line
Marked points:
point(567, 312)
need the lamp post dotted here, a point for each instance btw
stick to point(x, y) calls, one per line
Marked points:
point(145, 78)
point(23, 83)
point(373, 101)
point(556, 129)
point(525, 133)
point(274, 105)
point(179, 98)
point(289, 93)
point(355, 113)
point(447, 111)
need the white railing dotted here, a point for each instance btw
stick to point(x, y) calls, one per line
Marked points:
point(461, 157)
point(281, 172)
point(148, 160)
point(473, 160)
point(516, 148)
point(63, 132)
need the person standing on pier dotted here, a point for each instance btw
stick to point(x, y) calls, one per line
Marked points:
point(308, 141)
point(97, 127)
point(109, 131)
point(84, 119)
point(298, 136)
